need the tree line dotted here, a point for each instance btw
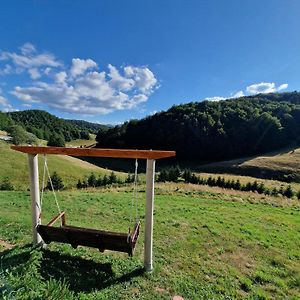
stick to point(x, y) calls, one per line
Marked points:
point(93, 181)
point(174, 174)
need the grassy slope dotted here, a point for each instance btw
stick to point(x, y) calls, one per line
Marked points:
point(287, 161)
point(14, 166)
point(3, 132)
point(207, 245)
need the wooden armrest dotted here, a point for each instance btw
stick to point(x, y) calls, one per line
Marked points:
point(59, 216)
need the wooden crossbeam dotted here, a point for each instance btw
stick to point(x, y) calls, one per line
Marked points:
point(97, 152)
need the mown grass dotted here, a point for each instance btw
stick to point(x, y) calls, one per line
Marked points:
point(14, 165)
point(207, 245)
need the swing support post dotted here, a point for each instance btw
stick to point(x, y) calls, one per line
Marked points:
point(35, 196)
point(150, 177)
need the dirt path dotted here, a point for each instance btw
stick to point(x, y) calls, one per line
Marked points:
point(6, 245)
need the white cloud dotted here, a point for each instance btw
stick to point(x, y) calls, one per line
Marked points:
point(47, 70)
point(29, 59)
point(265, 88)
point(118, 81)
point(91, 93)
point(7, 69)
point(283, 86)
point(61, 77)
point(27, 105)
point(5, 105)
point(257, 88)
point(34, 73)
point(238, 94)
point(27, 49)
point(82, 88)
point(144, 79)
point(215, 98)
point(79, 66)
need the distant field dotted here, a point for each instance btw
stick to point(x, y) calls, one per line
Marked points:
point(270, 165)
point(14, 166)
point(76, 143)
point(208, 244)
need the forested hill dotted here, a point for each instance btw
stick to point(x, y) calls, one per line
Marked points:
point(214, 130)
point(90, 127)
point(43, 124)
point(291, 97)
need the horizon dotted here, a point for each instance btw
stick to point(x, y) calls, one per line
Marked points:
point(104, 65)
point(120, 123)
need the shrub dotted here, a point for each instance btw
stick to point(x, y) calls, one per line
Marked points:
point(237, 185)
point(18, 134)
point(112, 178)
point(211, 181)
point(56, 140)
point(254, 186)
point(187, 175)
point(6, 185)
point(79, 184)
point(261, 188)
point(56, 182)
point(84, 135)
point(288, 192)
point(92, 180)
point(274, 192)
point(130, 178)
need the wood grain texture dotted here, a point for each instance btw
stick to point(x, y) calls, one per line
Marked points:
point(97, 152)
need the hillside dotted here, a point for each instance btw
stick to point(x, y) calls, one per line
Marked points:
point(88, 126)
point(43, 124)
point(280, 165)
point(210, 131)
point(14, 166)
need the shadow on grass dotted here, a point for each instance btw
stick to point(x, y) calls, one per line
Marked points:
point(81, 275)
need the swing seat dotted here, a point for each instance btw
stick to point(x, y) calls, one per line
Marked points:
point(78, 236)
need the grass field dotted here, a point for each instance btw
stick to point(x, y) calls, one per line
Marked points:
point(208, 244)
point(14, 166)
point(76, 143)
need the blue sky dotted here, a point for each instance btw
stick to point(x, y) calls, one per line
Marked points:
point(110, 61)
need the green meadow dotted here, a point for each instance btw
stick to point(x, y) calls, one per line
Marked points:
point(14, 166)
point(207, 245)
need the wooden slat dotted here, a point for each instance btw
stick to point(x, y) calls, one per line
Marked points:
point(98, 152)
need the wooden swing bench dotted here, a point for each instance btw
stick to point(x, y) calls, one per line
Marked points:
point(77, 236)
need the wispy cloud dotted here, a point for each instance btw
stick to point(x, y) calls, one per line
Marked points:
point(28, 59)
point(4, 104)
point(81, 88)
point(257, 88)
